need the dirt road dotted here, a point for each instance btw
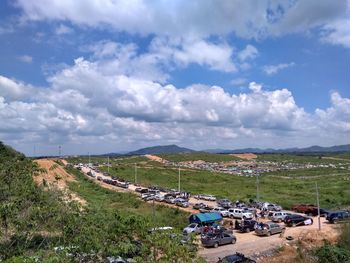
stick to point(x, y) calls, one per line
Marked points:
point(251, 245)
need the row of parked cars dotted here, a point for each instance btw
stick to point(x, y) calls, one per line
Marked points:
point(113, 182)
point(170, 198)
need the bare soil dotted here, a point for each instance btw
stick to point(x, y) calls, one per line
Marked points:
point(56, 176)
point(155, 158)
point(247, 156)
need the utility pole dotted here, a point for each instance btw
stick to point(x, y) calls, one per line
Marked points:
point(318, 208)
point(108, 164)
point(257, 187)
point(179, 180)
point(59, 151)
point(135, 173)
point(89, 159)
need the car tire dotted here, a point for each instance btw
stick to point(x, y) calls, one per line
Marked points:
point(293, 224)
point(279, 220)
point(233, 241)
point(231, 216)
point(244, 218)
point(247, 230)
point(216, 244)
point(268, 234)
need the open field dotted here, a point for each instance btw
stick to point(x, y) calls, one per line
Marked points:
point(283, 187)
point(195, 156)
point(304, 158)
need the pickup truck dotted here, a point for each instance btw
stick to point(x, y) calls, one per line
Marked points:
point(239, 213)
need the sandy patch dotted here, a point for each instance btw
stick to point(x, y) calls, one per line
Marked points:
point(155, 158)
point(247, 156)
point(56, 176)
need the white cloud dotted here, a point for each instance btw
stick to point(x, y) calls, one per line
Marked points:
point(274, 69)
point(238, 81)
point(250, 52)
point(337, 32)
point(245, 18)
point(85, 103)
point(63, 29)
point(25, 59)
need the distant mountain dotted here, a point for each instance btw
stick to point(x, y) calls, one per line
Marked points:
point(311, 149)
point(161, 149)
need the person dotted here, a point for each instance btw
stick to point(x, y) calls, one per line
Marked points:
point(282, 233)
point(231, 225)
point(236, 224)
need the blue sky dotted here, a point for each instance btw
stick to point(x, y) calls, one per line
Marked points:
point(104, 76)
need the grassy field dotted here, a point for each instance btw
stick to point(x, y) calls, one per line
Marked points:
point(101, 198)
point(313, 159)
point(283, 187)
point(334, 189)
point(208, 157)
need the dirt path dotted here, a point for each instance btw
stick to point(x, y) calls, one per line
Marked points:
point(252, 245)
point(56, 176)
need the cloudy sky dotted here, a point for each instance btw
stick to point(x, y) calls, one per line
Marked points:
point(109, 76)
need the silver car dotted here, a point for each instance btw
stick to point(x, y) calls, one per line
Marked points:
point(278, 216)
point(268, 229)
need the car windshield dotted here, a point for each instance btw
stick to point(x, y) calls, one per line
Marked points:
point(192, 226)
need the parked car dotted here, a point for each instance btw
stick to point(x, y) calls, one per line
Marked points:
point(220, 210)
point(304, 208)
point(225, 203)
point(338, 216)
point(181, 202)
point(278, 216)
point(239, 213)
point(198, 206)
point(297, 220)
point(246, 225)
point(192, 228)
point(268, 228)
point(236, 258)
point(205, 209)
point(209, 197)
point(273, 207)
point(159, 198)
point(323, 212)
point(215, 240)
point(169, 200)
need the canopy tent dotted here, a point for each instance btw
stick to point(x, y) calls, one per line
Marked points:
point(203, 218)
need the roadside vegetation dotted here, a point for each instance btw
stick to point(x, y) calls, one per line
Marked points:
point(39, 225)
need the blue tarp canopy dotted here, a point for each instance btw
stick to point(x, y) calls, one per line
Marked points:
point(205, 218)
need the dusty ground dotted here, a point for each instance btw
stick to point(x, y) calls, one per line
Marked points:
point(247, 156)
point(155, 158)
point(254, 246)
point(56, 176)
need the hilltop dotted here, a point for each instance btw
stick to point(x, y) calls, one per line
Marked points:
point(161, 150)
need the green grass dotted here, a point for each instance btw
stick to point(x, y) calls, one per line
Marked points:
point(208, 157)
point(293, 158)
point(334, 190)
point(101, 198)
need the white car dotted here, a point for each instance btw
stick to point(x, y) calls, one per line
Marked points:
point(192, 228)
point(239, 213)
point(221, 211)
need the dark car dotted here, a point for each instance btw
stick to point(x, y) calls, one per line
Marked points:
point(246, 225)
point(323, 212)
point(215, 240)
point(199, 206)
point(225, 203)
point(236, 258)
point(205, 209)
point(338, 216)
point(297, 220)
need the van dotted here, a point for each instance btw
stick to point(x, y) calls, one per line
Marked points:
point(278, 216)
